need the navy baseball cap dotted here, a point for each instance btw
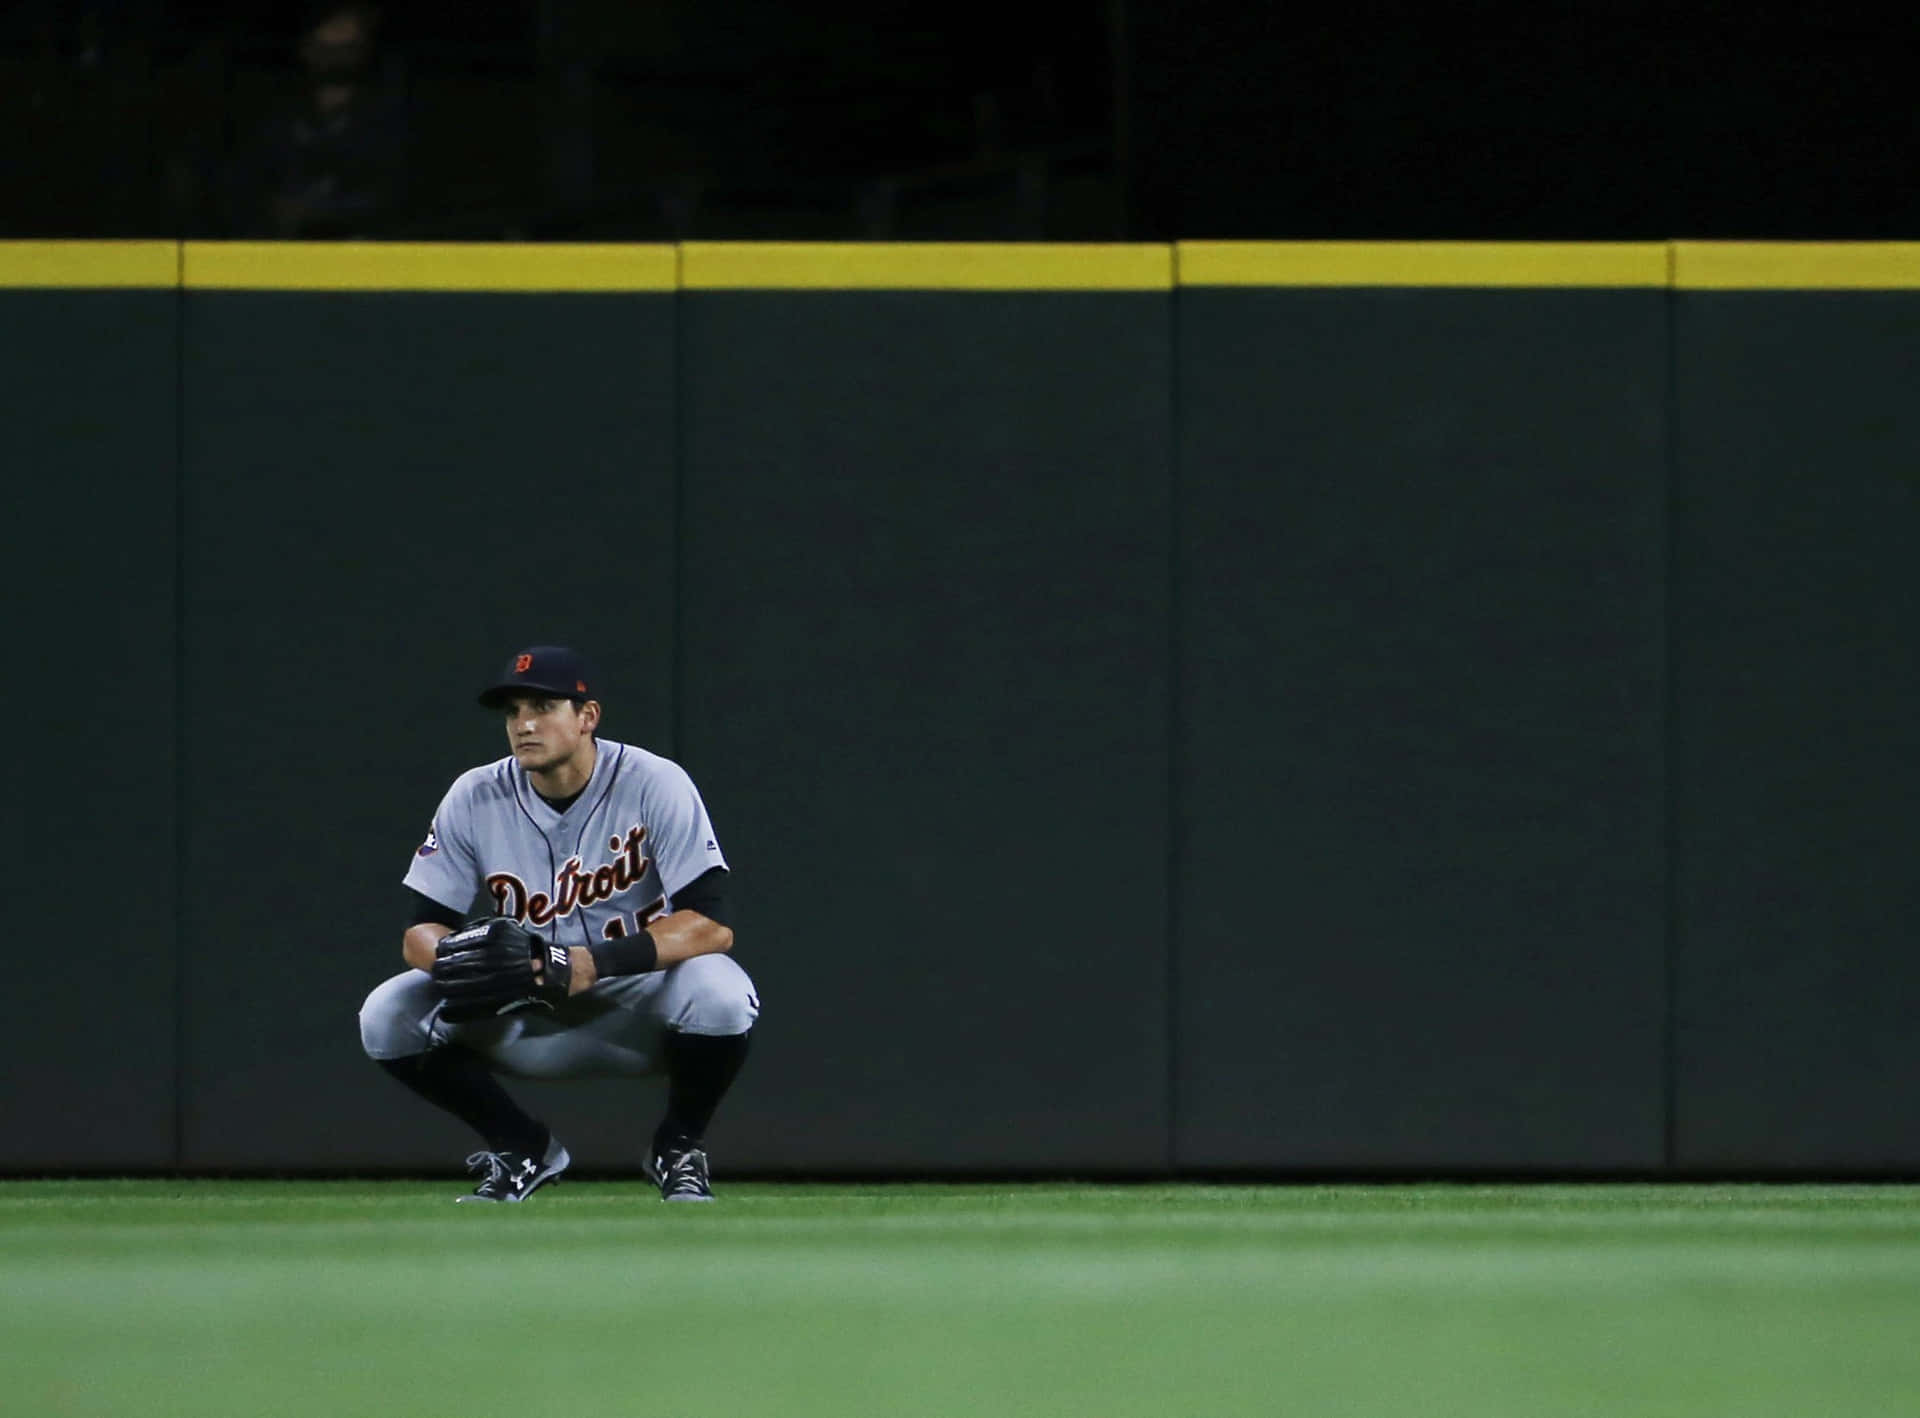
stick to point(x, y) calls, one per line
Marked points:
point(543, 669)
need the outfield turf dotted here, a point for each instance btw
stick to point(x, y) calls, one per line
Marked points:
point(594, 1300)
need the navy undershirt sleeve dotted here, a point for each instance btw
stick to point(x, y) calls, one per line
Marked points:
point(425, 908)
point(706, 893)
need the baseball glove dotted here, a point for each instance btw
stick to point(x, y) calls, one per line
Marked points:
point(487, 968)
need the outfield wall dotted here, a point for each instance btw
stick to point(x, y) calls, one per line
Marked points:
point(1296, 708)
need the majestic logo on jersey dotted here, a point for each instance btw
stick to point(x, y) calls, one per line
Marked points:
point(432, 844)
point(573, 886)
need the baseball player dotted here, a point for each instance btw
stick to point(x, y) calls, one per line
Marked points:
point(600, 944)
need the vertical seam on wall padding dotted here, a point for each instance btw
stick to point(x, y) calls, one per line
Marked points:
point(179, 903)
point(677, 623)
point(1670, 943)
point(1175, 846)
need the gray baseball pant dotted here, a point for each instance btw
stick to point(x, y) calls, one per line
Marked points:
point(613, 1028)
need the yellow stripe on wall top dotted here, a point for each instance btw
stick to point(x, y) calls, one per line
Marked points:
point(963, 266)
point(89, 265)
point(955, 266)
point(1786, 265)
point(1422, 263)
point(426, 266)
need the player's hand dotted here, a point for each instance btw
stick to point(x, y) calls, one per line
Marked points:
point(584, 972)
point(495, 967)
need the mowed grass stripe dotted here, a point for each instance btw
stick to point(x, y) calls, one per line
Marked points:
point(309, 1298)
point(798, 1272)
point(514, 1229)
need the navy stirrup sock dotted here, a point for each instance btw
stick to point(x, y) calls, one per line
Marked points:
point(460, 1082)
point(700, 1070)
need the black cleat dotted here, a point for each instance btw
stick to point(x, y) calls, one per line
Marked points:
point(681, 1175)
point(514, 1176)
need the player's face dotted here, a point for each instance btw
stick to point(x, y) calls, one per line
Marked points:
point(545, 733)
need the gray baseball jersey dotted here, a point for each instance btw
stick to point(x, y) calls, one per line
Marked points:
point(601, 870)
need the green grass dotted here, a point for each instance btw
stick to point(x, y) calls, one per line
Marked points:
point(594, 1301)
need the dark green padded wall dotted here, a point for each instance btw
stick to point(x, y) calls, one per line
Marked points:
point(1243, 731)
point(1796, 639)
point(89, 1054)
point(386, 494)
point(1419, 827)
point(924, 668)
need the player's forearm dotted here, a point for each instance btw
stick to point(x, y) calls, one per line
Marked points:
point(418, 943)
point(681, 935)
point(667, 941)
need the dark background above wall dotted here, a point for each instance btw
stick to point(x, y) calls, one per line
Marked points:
point(1087, 120)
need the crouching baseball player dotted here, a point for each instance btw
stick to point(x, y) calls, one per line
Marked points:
point(602, 947)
